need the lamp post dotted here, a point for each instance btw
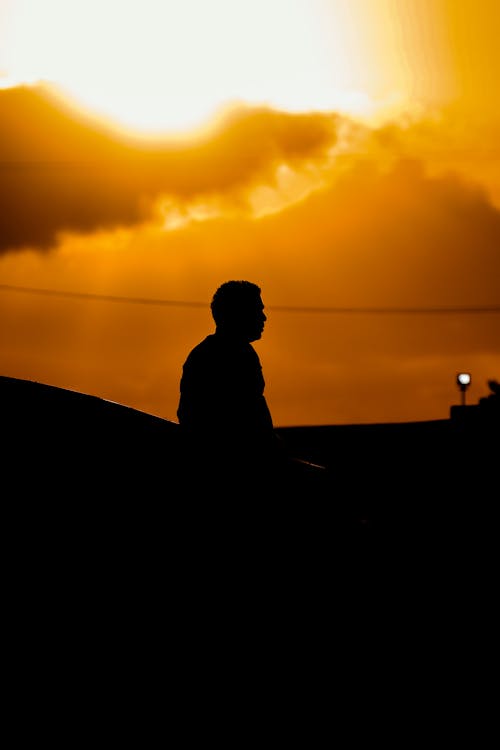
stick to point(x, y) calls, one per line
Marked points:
point(463, 382)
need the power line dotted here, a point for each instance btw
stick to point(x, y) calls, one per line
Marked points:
point(454, 310)
point(391, 310)
point(102, 297)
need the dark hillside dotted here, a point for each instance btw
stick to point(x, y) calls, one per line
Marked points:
point(111, 564)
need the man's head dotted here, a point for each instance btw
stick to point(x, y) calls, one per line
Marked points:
point(238, 310)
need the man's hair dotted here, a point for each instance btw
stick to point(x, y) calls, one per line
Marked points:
point(231, 297)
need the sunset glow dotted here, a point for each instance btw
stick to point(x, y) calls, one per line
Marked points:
point(342, 154)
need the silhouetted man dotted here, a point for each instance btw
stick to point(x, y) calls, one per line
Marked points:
point(222, 410)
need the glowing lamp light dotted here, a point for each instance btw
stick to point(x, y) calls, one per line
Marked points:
point(463, 382)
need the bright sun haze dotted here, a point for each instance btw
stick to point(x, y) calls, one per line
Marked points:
point(169, 65)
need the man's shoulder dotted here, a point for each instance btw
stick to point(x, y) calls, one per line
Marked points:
point(203, 349)
point(221, 348)
point(204, 344)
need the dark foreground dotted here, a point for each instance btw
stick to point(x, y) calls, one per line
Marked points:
point(82, 470)
point(119, 578)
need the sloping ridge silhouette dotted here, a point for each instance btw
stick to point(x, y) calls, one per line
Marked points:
point(108, 559)
point(64, 444)
point(64, 430)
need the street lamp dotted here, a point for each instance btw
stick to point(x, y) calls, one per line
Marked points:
point(463, 382)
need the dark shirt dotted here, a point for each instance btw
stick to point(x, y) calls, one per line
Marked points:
point(222, 408)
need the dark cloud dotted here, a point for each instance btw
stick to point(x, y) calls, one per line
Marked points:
point(60, 171)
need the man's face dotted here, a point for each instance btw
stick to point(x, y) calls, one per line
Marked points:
point(252, 319)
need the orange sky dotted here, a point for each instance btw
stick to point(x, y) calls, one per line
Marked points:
point(396, 205)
